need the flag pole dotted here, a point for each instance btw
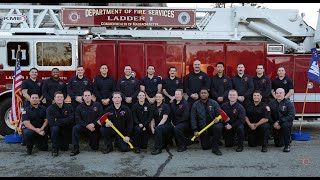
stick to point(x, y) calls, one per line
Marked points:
point(304, 105)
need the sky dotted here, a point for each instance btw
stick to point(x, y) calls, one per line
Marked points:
point(310, 9)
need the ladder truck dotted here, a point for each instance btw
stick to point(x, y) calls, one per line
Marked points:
point(68, 36)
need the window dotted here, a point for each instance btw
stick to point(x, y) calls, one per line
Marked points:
point(12, 48)
point(54, 54)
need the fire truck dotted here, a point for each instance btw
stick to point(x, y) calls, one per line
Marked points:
point(68, 36)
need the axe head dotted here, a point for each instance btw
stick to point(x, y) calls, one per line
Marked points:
point(104, 117)
point(223, 115)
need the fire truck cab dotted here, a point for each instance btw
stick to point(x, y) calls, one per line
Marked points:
point(67, 36)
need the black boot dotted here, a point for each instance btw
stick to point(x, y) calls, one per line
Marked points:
point(137, 150)
point(108, 149)
point(55, 152)
point(156, 151)
point(75, 150)
point(29, 150)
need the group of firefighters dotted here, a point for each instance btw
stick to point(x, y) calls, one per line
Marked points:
point(258, 110)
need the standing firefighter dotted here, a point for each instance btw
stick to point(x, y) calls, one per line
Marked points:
point(220, 85)
point(195, 81)
point(129, 87)
point(170, 84)
point(52, 85)
point(151, 84)
point(103, 87)
point(77, 85)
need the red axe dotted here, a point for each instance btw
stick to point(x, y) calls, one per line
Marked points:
point(222, 116)
point(104, 118)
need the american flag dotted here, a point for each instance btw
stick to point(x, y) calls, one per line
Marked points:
point(16, 101)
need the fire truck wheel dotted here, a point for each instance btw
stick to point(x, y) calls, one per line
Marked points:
point(5, 127)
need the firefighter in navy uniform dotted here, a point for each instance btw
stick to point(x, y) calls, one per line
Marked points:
point(179, 116)
point(61, 120)
point(282, 116)
point(129, 86)
point(103, 87)
point(36, 123)
point(220, 85)
point(52, 85)
point(31, 86)
point(77, 85)
point(121, 117)
point(142, 113)
point(257, 117)
point(87, 116)
point(195, 81)
point(282, 81)
point(160, 125)
point(262, 83)
point(243, 84)
point(203, 112)
point(235, 125)
point(151, 84)
point(170, 84)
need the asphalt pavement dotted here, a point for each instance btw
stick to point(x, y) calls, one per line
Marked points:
point(302, 161)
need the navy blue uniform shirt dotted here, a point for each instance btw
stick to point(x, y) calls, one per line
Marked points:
point(36, 116)
point(50, 86)
point(151, 85)
point(170, 85)
point(243, 85)
point(235, 112)
point(103, 87)
point(77, 86)
point(61, 117)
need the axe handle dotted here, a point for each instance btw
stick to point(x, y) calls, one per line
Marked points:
point(205, 128)
point(118, 132)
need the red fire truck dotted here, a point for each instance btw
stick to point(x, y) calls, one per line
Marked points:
point(66, 36)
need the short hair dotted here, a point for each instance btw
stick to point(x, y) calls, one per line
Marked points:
point(34, 94)
point(79, 66)
point(87, 91)
point(172, 67)
point(259, 65)
point(34, 69)
point(58, 92)
point(143, 93)
point(233, 90)
point(181, 90)
point(204, 88)
point(240, 64)
point(281, 67)
point(116, 92)
point(257, 91)
point(103, 65)
point(220, 63)
point(151, 66)
point(55, 69)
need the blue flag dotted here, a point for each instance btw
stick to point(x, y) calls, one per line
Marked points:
point(313, 72)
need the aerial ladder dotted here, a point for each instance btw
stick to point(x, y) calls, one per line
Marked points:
point(282, 26)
